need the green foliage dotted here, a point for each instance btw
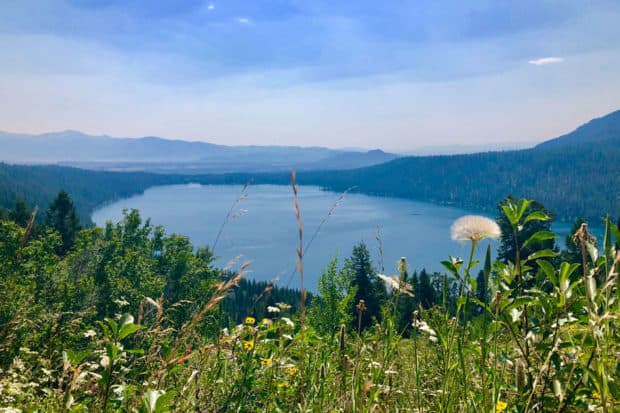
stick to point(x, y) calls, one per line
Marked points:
point(366, 286)
point(62, 218)
point(332, 307)
point(131, 320)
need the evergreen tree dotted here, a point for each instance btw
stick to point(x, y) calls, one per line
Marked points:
point(62, 217)
point(427, 295)
point(482, 289)
point(366, 285)
point(20, 214)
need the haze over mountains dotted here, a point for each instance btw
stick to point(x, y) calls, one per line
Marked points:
point(575, 175)
point(174, 156)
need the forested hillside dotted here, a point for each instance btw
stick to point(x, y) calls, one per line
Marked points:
point(577, 175)
point(37, 185)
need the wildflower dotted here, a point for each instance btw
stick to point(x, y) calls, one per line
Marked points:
point(121, 302)
point(248, 345)
point(425, 328)
point(288, 322)
point(265, 362)
point(250, 321)
point(291, 371)
point(474, 228)
point(501, 406)
point(272, 309)
point(266, 322)
point(394, 283)
point(90, 333)
point(283, 306)
point(282, 385)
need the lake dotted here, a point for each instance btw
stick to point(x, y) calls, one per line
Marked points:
point(263, 228)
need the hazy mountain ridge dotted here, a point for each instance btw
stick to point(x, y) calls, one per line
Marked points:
point(573, 175)
point(106, 153)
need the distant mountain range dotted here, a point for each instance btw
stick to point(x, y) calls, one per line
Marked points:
point(575, 175)
point(155, 154)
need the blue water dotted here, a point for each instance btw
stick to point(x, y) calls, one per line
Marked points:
point(263, 228)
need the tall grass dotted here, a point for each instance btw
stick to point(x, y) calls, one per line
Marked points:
point(550, 345)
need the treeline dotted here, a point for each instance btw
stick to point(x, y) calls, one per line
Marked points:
point(573, 180)
point(38, 185)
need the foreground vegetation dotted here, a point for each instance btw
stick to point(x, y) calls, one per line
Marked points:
point(127, 318)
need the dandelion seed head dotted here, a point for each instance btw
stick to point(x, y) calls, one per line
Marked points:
point(474, 228)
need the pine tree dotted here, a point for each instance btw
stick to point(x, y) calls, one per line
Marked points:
point(20, 214)
point(62, 217)
point(366, 285)
point(427, 294)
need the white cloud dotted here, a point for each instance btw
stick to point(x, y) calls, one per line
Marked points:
point(546, 61)
point(243, 20)
point(211, 6)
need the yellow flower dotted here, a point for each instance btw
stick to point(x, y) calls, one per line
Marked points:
point(596, 395)
point(291, 371)
point(250, 321)
point(248, 345)
point(501, 406)
point(265, 362)
point(282, 385)
point(266, 321)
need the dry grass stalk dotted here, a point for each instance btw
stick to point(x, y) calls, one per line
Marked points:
point(27, 232)
point(231, 213)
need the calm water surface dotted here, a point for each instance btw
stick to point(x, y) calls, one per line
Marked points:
point(264, 229)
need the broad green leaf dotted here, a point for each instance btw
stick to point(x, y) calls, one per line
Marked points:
point(163, 402)
point(549, 271)
point(539, 237)
point(546, 253)
point(126, 330)
point(536, 216)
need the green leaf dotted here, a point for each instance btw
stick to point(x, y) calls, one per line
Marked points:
point(546, 253)
point(487, 262)
point(548, 270)
point(536, 216)
point(539, 237)
point(451, 267)
point(163, 401)
point(566, 271)
point(126, 330)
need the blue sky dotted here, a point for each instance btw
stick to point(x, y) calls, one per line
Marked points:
point(400, 75)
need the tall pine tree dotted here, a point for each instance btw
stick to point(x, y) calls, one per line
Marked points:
point(62, 217)
point(366, 285)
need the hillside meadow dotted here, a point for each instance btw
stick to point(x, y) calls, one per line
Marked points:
point(126, 318)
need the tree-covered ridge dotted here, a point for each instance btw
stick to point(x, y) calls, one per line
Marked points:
point(577, 179)
point(38, 185)
point(126, 318)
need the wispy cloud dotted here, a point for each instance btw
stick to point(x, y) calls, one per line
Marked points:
point(546, 61)
point(211, 6)
point(243, 20)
